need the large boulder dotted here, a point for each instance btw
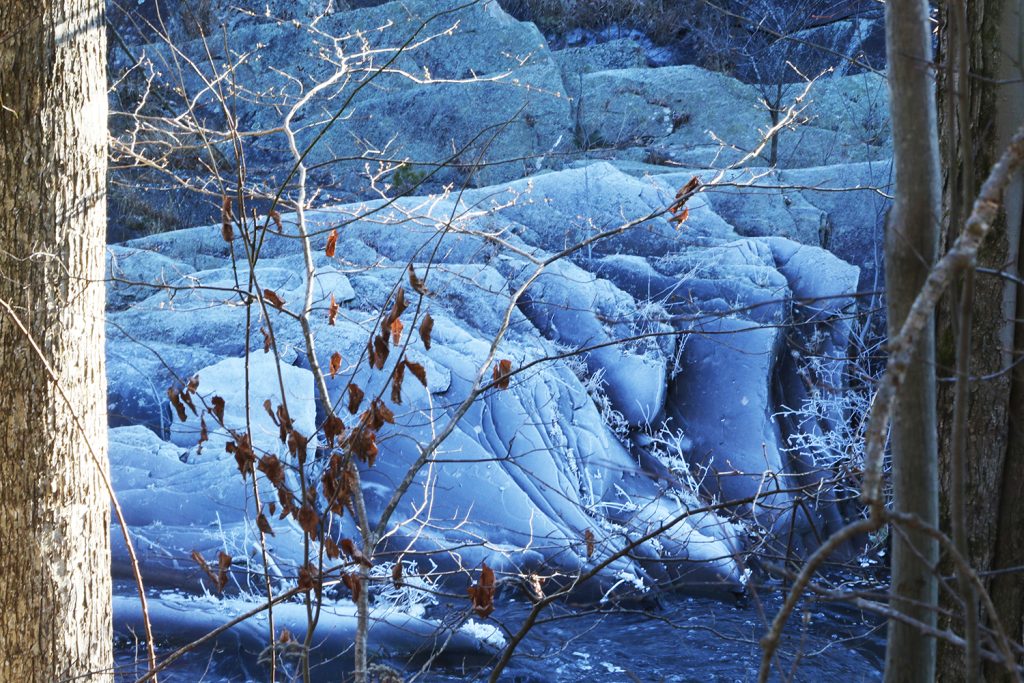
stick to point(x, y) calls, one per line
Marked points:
point(856, 199)
point(655, 335)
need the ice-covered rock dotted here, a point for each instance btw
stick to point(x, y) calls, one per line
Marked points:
point(179, 619)
point(684, 363)
point(176, 502)
point(245, 384)
point(856, 198)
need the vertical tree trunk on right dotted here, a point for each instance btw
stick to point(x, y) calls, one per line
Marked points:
point(993, 105)
point(911, 246)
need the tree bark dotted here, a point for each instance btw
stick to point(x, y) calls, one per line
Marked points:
point(911, 246)
point(55, 593)
point(992, 101)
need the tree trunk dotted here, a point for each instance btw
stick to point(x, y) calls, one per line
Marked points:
point(911, 245)
point(994, 475)
point(55, 614)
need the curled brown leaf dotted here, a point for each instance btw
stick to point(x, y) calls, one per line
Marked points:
point(396, 383)
point(218, 408)
point(332, 310)
point(227, 232)
point(418, 371)
point(276, 217)
point(481, 594)
point(350, 549)
point(175, 399)
point(353, 583)
point(334, 428)
point(425, 329)
point(502, 373)
point(273, 299)
point(355, 397)
point(396, 331)
point(332, 242)
point(263, 525)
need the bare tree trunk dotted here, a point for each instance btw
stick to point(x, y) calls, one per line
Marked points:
point(992, 102)
point(910, 250)
point(55, 621)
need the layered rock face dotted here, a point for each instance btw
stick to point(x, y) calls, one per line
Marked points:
point(652, 351)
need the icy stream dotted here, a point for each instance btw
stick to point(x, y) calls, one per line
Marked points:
point(687, 639)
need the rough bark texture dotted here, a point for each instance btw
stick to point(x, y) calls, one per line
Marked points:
point(55, 621)
point(995, 441)
point(912, 234)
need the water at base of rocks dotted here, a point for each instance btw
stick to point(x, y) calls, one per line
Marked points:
point(686, 639)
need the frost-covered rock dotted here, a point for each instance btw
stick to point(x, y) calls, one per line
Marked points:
point(245, 385)
point(572, 307)
point(175, 502)
point(675, 397)
point(180, 619)
point(705, 119)
point(855, 197)
point(459, 92)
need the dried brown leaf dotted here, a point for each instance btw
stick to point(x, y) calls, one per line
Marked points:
point(355, 398)
point(380, 351)
point(309, 578)
point(396, 383)
point(241, 447)
point(396, 331)
point(425, 329)
point(223, 566)
point(481, 594)
point(218, 408)
point(175, 399)
point(270, 465)
point(416, 283)
point(298, 446)
point(400, 304)
point(186, 398)
point(273, 299)
point(350, 549)
point(308, 519)
point(363, 444)
point(332, 242)
point(502, 373)
point(226, 219)
point(204, 434)
point(418, 371)
point(284, 422)
point(276, 217)
point(396, 573)
point(263, 525)
point(378, 414)
point(678, 207)
point(198, 558)
point(267, 340)
point(353, 583)
point(332, 310)
point(334, 428)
